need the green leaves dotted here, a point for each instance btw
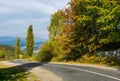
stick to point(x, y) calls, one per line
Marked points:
point(45, 53)
point(17, 48)
point(7, 52)
point(85, 27)
point(30, 41)
point(83, 20)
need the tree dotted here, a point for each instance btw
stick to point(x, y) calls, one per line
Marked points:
point(85, 27)
point(17, 48)
point(59, 34)
point(7, 52)
point(30, 41)
point(95, 23)
point(46, 52)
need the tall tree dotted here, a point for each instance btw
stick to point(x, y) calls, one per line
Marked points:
point(96, 22)
point(17, 48)
point(85, 27)
point(30, 41)
point(59, 33)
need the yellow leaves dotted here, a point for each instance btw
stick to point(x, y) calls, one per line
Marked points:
point(109, 17)
point(83, 20)
point(66, 30)
point(108, 27)
point(105, 19)
point(112, 37)
point(62, 38)
point(92, 7)
point(84, 26)
point(104, 41)
point(92, 38)
point(1, 51)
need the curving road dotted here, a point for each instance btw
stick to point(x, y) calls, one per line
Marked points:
point(78, 72)
point(82, 73)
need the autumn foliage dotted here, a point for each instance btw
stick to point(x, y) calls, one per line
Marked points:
point(84, 27)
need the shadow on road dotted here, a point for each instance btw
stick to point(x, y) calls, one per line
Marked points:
point(17, 73)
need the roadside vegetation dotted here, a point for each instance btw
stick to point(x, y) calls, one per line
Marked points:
point(7, 52)
point(78, 32)
point(10, 53)
point(13, 73)
point(16, 73)
point(14, 52)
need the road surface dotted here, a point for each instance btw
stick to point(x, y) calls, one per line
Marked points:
point(79, 73)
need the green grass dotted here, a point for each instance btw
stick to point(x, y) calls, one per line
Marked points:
point(99, 61)
point(11, 73)
point(15, 73)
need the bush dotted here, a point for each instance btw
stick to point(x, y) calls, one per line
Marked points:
point(2, 55)
point(58, 59)
point(99, 60)
point(44, 56)
point(92, 59)
point(112, 61)
point(45, 53)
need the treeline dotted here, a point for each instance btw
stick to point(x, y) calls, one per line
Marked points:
point(84, 28)
point(29, 45)
point(6, 52)
point(10, 53)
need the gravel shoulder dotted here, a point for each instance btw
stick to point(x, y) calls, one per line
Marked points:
point(40, 74)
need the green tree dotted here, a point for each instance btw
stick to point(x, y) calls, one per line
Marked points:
point(95, 23)
point(7, 52)
point(17, 48)
point(30, 41)
point(46, 52)
point(59, 34)
point(85, 27)
point(2, 54)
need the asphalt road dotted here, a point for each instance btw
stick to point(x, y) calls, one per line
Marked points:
point(79, 73)
point(82, 73)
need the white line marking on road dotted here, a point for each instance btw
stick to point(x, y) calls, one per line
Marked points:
point(88, 72)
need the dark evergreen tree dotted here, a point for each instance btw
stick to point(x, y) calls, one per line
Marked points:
point(17, 48)
point(30, 41)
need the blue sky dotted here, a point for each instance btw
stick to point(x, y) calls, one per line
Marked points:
point(17, 15)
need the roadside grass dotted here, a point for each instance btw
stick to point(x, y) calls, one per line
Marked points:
point(31, 59)
point(95, 60)
point(100, 60)
point(15, 73)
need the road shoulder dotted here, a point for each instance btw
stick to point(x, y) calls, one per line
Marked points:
point(40, 74)
point(105, 67)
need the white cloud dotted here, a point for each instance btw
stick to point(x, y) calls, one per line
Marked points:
point(16, 6)
point(4, 10)
point(24, 21)
point(15, 21)
point(19, 14)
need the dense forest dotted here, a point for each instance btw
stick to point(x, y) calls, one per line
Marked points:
point(83, 28)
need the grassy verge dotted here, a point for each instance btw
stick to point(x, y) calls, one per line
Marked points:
point(8, 73)
point(96, 60)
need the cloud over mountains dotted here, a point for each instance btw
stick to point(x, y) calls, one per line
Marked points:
point(17, 15)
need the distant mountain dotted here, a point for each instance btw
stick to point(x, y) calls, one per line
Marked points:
point(7, 40)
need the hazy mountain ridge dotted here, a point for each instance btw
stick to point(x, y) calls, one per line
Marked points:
point(7, 40)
